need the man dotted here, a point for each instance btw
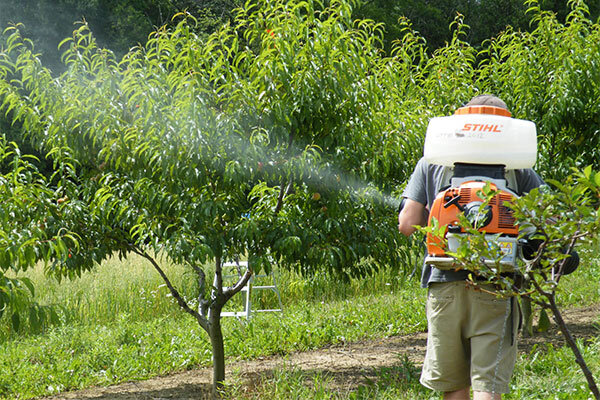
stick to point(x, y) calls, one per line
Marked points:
point(470, 341)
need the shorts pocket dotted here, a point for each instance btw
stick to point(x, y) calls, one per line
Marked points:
point(489, 299)
point(439, 291)
point(440, 297)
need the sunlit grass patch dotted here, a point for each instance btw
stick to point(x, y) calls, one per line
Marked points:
point(117, 287)
point(288, 382)
point(548, 372)
point(581, 288)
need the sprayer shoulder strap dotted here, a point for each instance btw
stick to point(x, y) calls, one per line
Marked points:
point(446, 177)
point(511, 181)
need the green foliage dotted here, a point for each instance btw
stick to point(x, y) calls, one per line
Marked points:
point(485, 18)
point(119, 25)
point(561, 219)
point(551, 76)
point(284, 136)
point(281, 115)
point(29, 234)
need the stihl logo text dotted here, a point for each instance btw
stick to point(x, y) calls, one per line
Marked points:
point(482, 128)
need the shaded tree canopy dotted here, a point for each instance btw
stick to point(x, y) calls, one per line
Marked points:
point(120, 25)
point(485, 18)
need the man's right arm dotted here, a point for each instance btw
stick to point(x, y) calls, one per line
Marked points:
point(413, 213)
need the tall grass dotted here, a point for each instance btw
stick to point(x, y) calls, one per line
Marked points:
point(132, 287)
point(582, 288)
point(115, 288)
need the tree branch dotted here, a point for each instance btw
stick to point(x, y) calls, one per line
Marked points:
point(282, 193)
point(217, 298)
point(573, 345)
point(218, 283)
point(229, 292)
point(203, 303)
point(174, 292)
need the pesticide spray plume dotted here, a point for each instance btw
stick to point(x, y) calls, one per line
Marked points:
point(337, 180)
point(327, 176)
point(306, 166)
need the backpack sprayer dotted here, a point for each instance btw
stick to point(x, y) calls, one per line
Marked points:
point(477, 145)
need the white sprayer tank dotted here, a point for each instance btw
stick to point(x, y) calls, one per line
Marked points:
point(481, 135)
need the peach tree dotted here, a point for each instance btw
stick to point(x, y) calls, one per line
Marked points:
point(267, 141)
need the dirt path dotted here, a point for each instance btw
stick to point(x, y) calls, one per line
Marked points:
point(349, 365)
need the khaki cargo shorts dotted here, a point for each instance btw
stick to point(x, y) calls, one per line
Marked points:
point(469, 340)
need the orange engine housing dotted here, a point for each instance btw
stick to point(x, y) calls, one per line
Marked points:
point(502, 220)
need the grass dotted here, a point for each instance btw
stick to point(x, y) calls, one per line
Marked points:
point(551, 373)
point(76, 356)
point(117, 329)
point(544, 374)
point(112, 289)
point(581, 288)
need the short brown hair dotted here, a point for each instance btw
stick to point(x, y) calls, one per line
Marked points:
point(487, 100)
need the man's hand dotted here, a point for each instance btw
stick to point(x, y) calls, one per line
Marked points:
point(413, 213)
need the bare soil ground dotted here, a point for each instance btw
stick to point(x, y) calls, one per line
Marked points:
point(349, 365)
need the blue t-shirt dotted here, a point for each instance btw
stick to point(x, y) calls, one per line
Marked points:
point(426, 182)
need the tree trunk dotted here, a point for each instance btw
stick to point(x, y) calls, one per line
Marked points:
point(573, 345)
point(218, 354)
point(216, 331)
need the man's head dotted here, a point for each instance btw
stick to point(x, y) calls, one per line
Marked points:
point(487, 100)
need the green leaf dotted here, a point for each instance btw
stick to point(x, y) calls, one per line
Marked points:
point(34, 319)
point(29, 285)
point(16, 321)
point(543, 321)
